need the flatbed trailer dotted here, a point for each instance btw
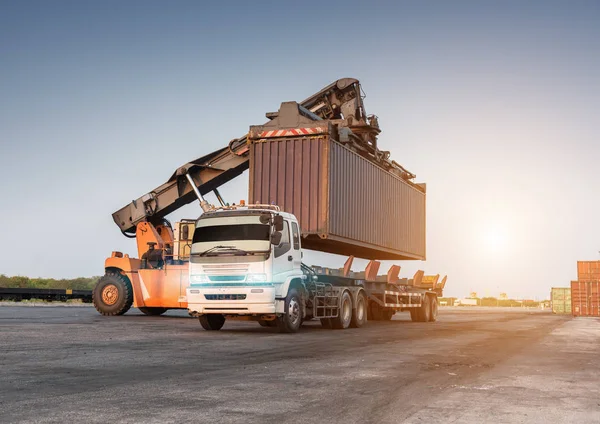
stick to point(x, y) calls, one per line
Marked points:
point(60, 295)
point(386, 294)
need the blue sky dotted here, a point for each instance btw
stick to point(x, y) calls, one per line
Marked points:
point(493, 104)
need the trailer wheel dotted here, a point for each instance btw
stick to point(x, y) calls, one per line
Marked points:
point(359, 313)
point(112, 294)
point(212, 322)
point(152, 311)
point(342, 321)
point(427, 311)
point(434, 309)
point(291, 319)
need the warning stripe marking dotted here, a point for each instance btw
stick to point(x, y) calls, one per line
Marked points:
point(291, 132)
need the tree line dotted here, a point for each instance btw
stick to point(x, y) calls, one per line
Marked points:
point(80, 283)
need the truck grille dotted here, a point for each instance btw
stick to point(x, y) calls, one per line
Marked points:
point(225, 269)
point(225, 296)
point(226, 277)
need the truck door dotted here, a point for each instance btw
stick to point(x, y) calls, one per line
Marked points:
point(283, 255)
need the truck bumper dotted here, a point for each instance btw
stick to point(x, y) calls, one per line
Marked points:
point(232, 300)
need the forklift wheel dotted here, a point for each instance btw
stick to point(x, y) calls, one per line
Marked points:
point(112, 294)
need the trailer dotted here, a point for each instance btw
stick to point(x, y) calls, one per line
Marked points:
point(60, 295)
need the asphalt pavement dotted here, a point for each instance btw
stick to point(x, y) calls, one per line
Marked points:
point(69, 364)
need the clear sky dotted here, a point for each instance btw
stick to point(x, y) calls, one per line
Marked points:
point(494, 105)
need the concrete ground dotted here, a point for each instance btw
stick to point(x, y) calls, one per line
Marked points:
point(65, 364)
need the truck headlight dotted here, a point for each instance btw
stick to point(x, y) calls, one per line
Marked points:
point(256, 278)
point(199, 278)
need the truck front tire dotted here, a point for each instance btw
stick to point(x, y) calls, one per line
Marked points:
point(212, 322)
point(291, 320)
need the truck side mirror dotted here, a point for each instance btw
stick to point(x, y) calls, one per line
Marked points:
point(278, 223)
point(276, 238)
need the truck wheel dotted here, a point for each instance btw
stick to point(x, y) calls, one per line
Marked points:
point(359, 314)
point(427, 311)
point(434, 309)
point(342, 321)
point(152, 311)
point(424, 311)
point(291, 319)
point(212, 322)
point(112, 294)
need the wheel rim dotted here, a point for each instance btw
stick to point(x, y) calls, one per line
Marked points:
point(294, 311)
point(360, 309)
point(110, 294)
point(346, 310)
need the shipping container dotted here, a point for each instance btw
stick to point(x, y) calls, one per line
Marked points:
point(561, 300)
point(585, 298)
point(345, 203)
point(588, 270)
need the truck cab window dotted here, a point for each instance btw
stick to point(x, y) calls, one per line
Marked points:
point(285, 245)
point(295, 236)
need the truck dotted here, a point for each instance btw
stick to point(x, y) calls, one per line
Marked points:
point(327, 146)
point(246, 263)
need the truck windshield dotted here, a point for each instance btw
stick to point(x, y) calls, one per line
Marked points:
point(218, 233)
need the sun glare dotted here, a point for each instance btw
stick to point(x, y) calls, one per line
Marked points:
point(495, 238)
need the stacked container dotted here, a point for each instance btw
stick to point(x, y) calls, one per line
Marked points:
point(561, 300)
point(585, 298)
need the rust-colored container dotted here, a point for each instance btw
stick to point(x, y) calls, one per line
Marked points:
point(585, 298)
point(345, 203)
point(588, 270)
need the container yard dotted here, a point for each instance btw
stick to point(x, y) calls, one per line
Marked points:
point(299, 212)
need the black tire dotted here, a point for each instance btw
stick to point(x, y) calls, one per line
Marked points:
point(212, 322)
point(152, 311)
point(342, 321)
point(427, 311)
point(113, 294)
point(291, 320)
point(424, 311)
point(326, 323)
point(434, 309)
point(359, 312)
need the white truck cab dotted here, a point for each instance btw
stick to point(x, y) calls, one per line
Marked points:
point(245, 262)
